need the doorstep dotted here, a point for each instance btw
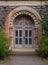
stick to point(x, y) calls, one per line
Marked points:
point(23, 51)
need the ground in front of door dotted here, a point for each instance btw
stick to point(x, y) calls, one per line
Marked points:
point(24, 60)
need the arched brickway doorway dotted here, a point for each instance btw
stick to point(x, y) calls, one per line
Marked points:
point(22, 27)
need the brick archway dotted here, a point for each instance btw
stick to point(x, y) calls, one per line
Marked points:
point(30, 11)
point(18, 11)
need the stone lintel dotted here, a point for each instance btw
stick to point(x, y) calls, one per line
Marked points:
point(19, 3)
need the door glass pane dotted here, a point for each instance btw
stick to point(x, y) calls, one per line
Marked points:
point(16, 32)
point(30, 40)
point(30, 33)
point(20, 40)
point(26, 40)
point(20, 33)
point(16, 40)
point(26, 32)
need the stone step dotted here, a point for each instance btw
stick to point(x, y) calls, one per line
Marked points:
point(21, 52)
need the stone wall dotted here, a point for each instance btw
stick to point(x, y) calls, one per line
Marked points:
point(5, 10)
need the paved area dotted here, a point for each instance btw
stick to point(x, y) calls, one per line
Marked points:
point(24, 60)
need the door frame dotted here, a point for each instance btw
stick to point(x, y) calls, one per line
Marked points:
point(24, 27)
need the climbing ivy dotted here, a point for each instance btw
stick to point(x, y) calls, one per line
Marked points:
point(43, 47)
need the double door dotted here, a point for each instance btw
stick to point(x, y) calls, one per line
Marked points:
point(23, 34)
point(23, 38)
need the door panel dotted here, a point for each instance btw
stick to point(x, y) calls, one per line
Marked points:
point(20, 33)
point(28, 38)
point(16, 41)
point(30, 33)
point(26, 41)
point(16, 33)
point(23, 33)
point(18, 38)
point(26, 33)
point(30, 41)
